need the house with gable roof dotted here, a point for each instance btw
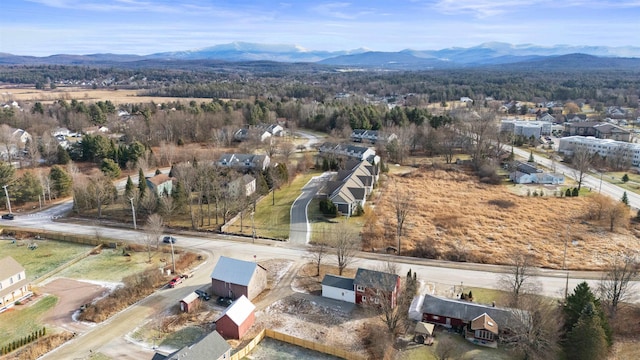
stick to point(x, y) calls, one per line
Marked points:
point(245, 162)
point(211, 346)
point(236, 319)
point(481, 324)
point(160, 184)
point(234, 278)
point(367, 288)
point(13, 283)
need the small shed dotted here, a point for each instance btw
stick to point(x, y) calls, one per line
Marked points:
point(338, 288)
point(188, 303)
point(236, 319)
point(424, 333)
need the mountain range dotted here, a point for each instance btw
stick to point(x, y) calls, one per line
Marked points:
point(487, 54)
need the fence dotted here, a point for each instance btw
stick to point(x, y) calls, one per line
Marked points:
point(325, 349)
point(247, 349)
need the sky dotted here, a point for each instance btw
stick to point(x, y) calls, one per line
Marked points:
point(47, 27)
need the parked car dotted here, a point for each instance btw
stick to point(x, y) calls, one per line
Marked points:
point(224, 301)
point(7, 216)
point(175, 281)
point(203, 295)
point(169, 239)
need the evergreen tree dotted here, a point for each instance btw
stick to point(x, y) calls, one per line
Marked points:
point(62, 156)
point(142, 183)
point(27, 188)
point(531, 159)
point(587, 339)
point(179, 196)
point(575, 192)
point(128, 188)
point(110, 168)
point(568, 193)
point(625, 178)
point(625, 198)
point(61, 182)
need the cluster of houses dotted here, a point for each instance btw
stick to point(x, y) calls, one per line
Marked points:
point(261, 132)
point(371, 136)
point(349, 188)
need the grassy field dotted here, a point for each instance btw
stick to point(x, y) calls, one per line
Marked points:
point(49, 255)
point(464, 350)
point(22, 320)
point(88, 95)
point(461, 218)
point(273, 221)
point(110, 265)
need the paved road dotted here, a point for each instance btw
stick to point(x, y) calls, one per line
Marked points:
point(588, 181)
point(300, 229)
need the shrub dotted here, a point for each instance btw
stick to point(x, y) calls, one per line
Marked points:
point(575, 192)
point(327, 207)
point(568, 193)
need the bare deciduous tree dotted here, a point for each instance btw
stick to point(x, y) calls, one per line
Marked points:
point(152, 231)
point(518, 281)
point(581, 160)
point(617, 284)
point(447, 348)
point(534, 328)
point(346, 243)
point(317, 252)
point(403, 206)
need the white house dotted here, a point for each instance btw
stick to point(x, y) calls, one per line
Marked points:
point(13, 283)
point(338, 288)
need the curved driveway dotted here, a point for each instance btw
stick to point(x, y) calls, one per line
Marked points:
point(300, 229)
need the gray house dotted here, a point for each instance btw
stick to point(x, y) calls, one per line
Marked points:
point(234, 278)
point(210, 347)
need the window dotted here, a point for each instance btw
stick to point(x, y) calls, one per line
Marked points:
point(364, 298)
point(360, 288)
point(19, 276)
point(11, 280)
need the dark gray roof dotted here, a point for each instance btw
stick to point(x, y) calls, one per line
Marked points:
point(211, 346)
point(338, 282)
point(527, 168)
point(464, 310)
point(375, 279)
point(358, 193)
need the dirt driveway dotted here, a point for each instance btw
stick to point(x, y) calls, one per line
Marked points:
point(71, 295)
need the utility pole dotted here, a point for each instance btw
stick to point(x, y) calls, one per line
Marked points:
point(253, 229)
point(133, 212)
point(173, 260)
point(6, 193)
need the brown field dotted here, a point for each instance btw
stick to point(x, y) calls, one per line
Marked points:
point(457, 218)
point(30, 94)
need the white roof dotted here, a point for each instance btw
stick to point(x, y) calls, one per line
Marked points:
point(234, 271)
point(189, 298)
point(239, 311)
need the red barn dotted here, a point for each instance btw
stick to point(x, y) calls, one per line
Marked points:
point(236, 320)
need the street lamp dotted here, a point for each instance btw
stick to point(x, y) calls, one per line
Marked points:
point(6, 193)
point(133, 213)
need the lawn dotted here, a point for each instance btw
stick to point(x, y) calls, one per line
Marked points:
point(22, 320)
point(464, 350)
point(615, 178)
point(49, 255)
point(110, 265)
point(273, 221)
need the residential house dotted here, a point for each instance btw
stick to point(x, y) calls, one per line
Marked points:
point(528, 173)
point(338, 288)
point(234, 278)
point(236, 319)
point(189, 302)
point(545, 116)
point(371, 286)
point(576, 118)
point(245, 162)
point(350, 187)
point(62, 131)
point(350, 151)
point(160, 184)
point(613, 132)
point(244, 185)
point(368, 287)
point(211, 346)
point(261, 132)
point(95, 130)
point(13, 283)
point(372, 136)
point(481, 324)
point(466, 100)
